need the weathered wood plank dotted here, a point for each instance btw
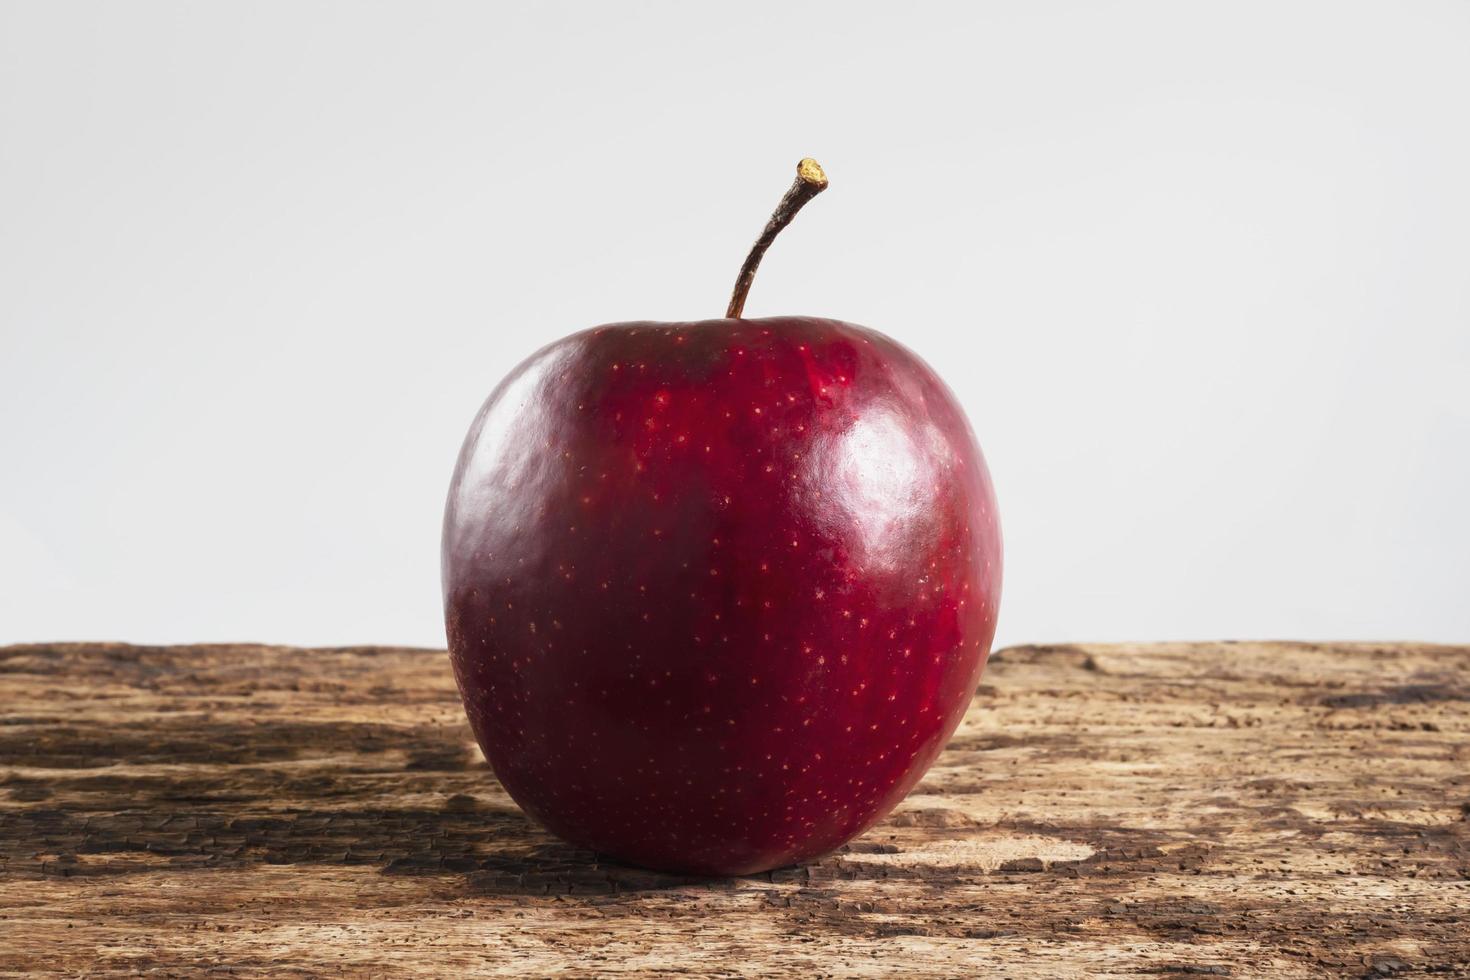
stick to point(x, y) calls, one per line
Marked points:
point(1245, 809)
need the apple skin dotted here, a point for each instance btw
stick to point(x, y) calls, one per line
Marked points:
point(717, 593)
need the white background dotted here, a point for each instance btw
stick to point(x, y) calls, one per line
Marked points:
point(1199, 273)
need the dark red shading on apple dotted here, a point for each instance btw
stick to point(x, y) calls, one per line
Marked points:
point(717, 593)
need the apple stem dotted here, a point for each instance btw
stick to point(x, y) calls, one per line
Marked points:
point(810, 181)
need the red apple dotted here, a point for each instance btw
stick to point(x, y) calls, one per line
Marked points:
point(717, 593)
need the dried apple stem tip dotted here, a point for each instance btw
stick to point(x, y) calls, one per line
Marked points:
point(810, 181)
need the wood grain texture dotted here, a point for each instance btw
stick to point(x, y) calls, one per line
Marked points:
point(1254, 809)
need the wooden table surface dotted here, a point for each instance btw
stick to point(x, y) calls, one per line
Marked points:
point(1239, 810)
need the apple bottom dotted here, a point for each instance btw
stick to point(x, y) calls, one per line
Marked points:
point(663, 776)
